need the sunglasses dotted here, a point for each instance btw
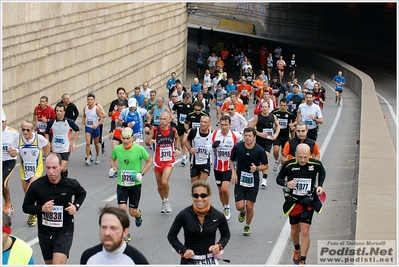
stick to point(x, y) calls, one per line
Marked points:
point(26, 130)
point(197, 109)
point(203, 195)
point(231, 109)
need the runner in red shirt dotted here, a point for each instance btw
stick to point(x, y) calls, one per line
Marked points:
point(42, 114)
point(166, 149)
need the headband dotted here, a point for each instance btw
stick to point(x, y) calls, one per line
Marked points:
point(6, 229)
point(127, 134)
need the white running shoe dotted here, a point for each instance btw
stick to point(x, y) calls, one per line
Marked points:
point(227, 213)
point(264, 183)
point(97, 160)
point(163, 208)
point(88, 161)
point(167, 206)
point(275, 166)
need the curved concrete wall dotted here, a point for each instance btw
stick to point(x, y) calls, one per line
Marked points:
point(55, 48)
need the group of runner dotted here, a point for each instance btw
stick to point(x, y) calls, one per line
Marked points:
point(179, 127)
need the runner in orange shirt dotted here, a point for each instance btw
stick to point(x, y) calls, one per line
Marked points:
point(244, 92)
point(233, 99)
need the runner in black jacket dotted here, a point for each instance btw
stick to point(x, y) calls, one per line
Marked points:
point(50, 198)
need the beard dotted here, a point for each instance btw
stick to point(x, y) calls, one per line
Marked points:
point(114, 244)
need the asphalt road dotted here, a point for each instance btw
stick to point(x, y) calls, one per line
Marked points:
point(337, 137)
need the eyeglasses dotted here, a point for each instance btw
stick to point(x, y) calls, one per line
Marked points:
point(26, 130)
point(203, 195)
point(197, 109)
point(231, 109)
point(174, 95)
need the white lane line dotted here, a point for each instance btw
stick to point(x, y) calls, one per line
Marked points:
point(390, 109)
point(389, 75)
point(33, 241)
point(278, 249)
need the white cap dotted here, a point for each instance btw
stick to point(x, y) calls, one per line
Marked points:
point(132, 102)
point(3, 117)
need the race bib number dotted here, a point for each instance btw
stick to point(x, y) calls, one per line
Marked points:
point(166, 153)
point(247, 179)
point(244, 92)
point(224, 153)
point(41, 126)
point(293, 106)
point(292, 62)
point(89, 122)
point(309, 122)
point(127, 177)
point(156, 119)
point(208, 261)
point(182, 118)
point(29, 169)
point(5, 147)
point(269, 132)
point(316, 102)
point(275, 91)
point(195, 125)
point(302, 186)
point(202, 152)
point(339, 85)
point(54, 218)
point(283, 123)
point(138, 137)
point(59, 141)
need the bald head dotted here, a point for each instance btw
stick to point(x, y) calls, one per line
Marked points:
point(302, 153)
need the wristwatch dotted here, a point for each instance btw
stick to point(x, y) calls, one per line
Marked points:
point(257, 168)
point(77, 206)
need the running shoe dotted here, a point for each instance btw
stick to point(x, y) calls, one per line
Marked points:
point(247, 230)
point(227, 213)
point(339, 104)
point(139, 220)
point(97, 160)
point(128, 238)
point(87, 161)
point(264, 183)
point(32, 219)
point(183, 162)
point(241, 216)
point(8, 209)
point(91, 158)
point(167, 206)
point(217, 124)
point(275, 166)
point(297, 256)
point(302, 262)
point(163, 208)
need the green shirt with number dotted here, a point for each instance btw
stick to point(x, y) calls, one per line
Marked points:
point(130, 163)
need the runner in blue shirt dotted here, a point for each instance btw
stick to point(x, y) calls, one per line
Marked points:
point(339, 81)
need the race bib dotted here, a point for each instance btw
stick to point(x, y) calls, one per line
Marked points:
point(309, 122)
point(89, 122)
point(59, 141)
point(283, 123)
point(127, 177)
point(316, 102)
point(29, 169)
point(293, 106)
point(41, 126)
point(247, 179)
point(302, 186)
point(5, 147)
point(182, 118)
point(339, 85)
point(208, 261)
point(202, 152)
point(292, 62)
point(244, 92)
point(54, 218)
point(156, 119)
point(195, 125)
point(269, 132)
point(223, 153)
point(165, 153)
